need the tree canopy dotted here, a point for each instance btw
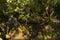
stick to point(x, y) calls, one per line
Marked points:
point(36, 19)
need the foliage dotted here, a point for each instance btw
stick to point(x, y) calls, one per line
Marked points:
point(36, 19)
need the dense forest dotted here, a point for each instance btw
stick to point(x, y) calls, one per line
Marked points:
point(29, 19)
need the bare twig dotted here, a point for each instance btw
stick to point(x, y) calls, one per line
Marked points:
point(47, 6)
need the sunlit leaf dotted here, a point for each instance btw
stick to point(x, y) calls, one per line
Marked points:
point(1, 39)
point(7, 36)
